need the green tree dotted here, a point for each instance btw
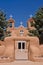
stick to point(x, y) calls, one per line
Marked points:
point(3, 24)
point(38, 18)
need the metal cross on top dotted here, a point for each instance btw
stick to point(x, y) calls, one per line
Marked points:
point(21, 23)
point(31, 16)
point(11, 16)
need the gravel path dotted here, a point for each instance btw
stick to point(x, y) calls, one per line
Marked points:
point(22, 63)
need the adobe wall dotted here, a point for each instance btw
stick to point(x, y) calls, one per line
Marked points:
point(36, 50)
point(9, 47)
point(7, 50)
point(32, 44)
point(41, 48)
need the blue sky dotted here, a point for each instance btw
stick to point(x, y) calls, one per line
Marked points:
point(20, 9)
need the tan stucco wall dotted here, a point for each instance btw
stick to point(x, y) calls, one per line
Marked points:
point(41, 48)
point(34, 41)
point(10, 44)
point(9, 47)
point(16, 31)
point(32, 44)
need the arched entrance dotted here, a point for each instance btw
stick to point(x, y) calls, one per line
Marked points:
point(20, 51)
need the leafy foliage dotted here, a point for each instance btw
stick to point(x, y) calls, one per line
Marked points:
point(38, 18)
point(3, 24)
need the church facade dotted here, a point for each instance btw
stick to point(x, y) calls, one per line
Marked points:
point(19, 45)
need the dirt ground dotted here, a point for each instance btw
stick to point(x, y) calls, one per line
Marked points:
point(22, 63)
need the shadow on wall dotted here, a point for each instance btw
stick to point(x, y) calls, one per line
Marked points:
point(41, 39)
